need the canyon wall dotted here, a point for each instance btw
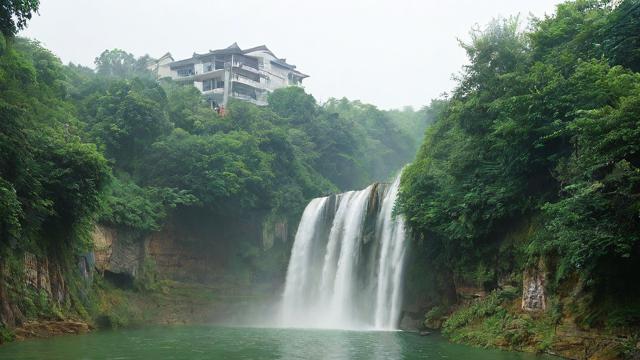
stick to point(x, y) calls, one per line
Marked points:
point(203, 254)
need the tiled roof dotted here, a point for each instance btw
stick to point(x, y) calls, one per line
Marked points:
point(235, 49)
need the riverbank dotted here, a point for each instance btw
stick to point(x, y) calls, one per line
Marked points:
point(169, 303)
point(49, 328)
point(497, 320)
point(493, 321)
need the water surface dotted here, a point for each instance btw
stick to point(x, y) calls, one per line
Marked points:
point(225, 343)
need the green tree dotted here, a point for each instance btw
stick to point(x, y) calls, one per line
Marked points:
point(127, 117)
point(51, 176)
point(14, 15)
point(121, 64)
point(542, 125)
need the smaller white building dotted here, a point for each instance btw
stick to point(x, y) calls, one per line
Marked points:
point(248, 75)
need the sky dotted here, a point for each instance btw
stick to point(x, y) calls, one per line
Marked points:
point(390, 53)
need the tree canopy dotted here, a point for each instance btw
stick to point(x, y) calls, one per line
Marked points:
point(542, 125)
point(14, 15)
point(118, 147)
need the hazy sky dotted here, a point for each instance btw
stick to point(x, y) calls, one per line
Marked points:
point(389, 53)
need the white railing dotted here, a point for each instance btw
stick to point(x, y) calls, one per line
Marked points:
point(246, 81)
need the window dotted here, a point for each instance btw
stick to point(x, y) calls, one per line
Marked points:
point(185, 71)
point(207, 85)
point(212, 84)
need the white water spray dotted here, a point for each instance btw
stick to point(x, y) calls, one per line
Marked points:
point(346, 264)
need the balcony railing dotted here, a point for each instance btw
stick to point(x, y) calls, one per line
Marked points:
point(249, 68)
point(245, 80)
point(182, 74)
point(213, 91)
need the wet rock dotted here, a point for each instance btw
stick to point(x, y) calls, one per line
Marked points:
point(572, 342)
point(434, 324)
point(410, 321)
point(612, 352)
point(44, 329)
point(533, 289)
point(466, 291)
point(275, 232)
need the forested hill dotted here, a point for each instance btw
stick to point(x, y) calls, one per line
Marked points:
point(533, 164)
point(117, 146)
point(114, 146)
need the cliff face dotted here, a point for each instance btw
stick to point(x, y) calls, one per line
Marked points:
point(204, 253)
point(203, 271)
point(36, 287)
point(172, 258)
point(526, 309)
point(115, 252)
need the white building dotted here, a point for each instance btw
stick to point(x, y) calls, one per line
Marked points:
point(248, 74)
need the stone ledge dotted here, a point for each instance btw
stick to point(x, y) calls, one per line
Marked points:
point(49, 328)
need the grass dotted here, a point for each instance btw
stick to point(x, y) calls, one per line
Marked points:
point(495, 321)
point(6, 335)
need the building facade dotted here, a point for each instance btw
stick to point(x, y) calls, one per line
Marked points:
point(249, 74)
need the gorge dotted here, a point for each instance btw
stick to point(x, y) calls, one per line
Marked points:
point(133, 209)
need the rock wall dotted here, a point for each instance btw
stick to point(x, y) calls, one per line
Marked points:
point(116, 251)
point(279, 231)
point(179, 257)
point(103, 239)
point(200, 252)
point(203, 251)
point(34, 275)
point(534, 296)
point(10, 314)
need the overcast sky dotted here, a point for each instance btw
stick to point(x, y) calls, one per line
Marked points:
point(390, 53)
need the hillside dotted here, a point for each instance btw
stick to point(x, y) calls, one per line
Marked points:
point(529, 183)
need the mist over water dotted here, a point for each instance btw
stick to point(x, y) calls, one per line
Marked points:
point(346, 264)
point(209, 342)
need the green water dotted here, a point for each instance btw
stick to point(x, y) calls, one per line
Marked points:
point(202, 342)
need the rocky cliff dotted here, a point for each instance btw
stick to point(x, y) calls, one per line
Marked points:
point(201, 253)
point(526, 309)
point(36, 288)
point(201, 271)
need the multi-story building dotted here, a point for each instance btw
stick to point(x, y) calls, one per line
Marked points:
point(248, 74)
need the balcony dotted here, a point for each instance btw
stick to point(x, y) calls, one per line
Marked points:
point(183, 78)
point(246, 68)
point(213, 73)
point(213, 91)
point(245, 81)
point(257, 101)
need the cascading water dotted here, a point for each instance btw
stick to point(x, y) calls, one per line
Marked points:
point(346, 263)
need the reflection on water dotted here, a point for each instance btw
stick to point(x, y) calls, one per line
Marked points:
point(208, 342)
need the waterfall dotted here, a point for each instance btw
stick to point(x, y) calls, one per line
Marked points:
point(346, 264)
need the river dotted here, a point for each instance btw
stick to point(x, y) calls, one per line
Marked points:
point(233, 343)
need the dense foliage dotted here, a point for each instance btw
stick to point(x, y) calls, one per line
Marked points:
point(117, 146)
point(51, 177)
point(14, 15)
point(543, 125)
